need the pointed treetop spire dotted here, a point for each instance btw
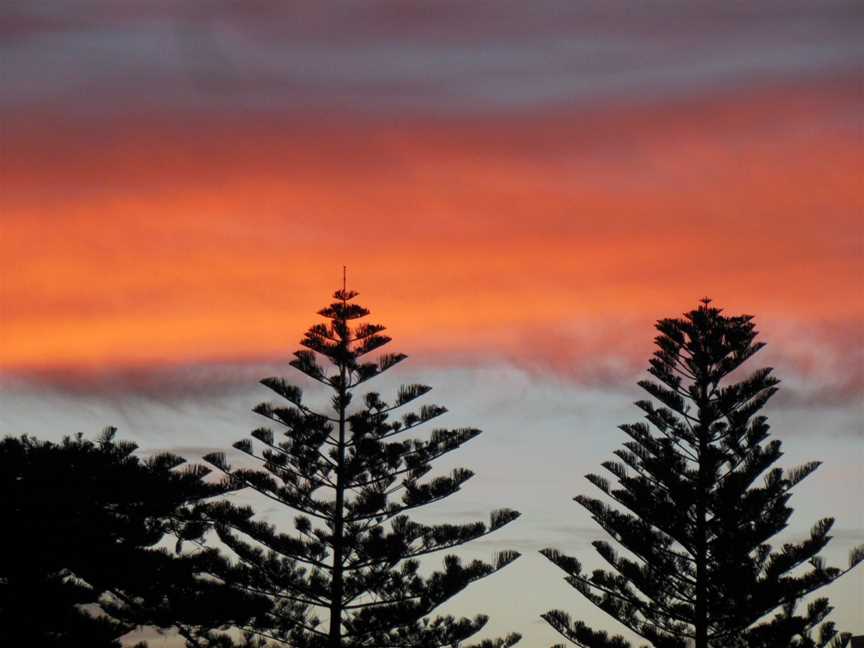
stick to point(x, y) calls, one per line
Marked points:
point(344, 295)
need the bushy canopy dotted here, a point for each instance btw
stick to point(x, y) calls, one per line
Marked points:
point(82, 560)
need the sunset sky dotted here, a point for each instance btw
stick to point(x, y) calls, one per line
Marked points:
point(518, 189)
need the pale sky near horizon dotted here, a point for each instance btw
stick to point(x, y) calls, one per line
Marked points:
point(541, 435)
point(519, 190)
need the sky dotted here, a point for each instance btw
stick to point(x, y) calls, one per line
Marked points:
point(519, 191)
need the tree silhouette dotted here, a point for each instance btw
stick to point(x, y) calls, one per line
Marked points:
point(350, 575)
point(696, 523)
point(80, 561)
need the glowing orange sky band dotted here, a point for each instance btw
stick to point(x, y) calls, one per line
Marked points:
point(145, 249)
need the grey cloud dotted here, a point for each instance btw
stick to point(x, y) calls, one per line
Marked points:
point(412, 56)
point(164, 383)
point(821, 366)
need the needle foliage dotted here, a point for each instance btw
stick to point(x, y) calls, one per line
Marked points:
point(348, 574)
point(83, 555)
point(698, 500)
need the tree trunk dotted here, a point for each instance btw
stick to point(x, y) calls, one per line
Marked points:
point(701, 611)
point(337, 586)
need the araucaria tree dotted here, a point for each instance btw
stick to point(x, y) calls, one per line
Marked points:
point(349, 574)
point(81, 556)
point(694, 519)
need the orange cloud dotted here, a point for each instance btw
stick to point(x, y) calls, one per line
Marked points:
point(157, 241)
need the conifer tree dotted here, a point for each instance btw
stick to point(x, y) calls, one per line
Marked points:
point(84, 527)
point(693, 518)
point(349, 574)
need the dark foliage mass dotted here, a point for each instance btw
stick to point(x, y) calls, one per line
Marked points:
point(694, 517)
point(81, 555)
point(349, 574)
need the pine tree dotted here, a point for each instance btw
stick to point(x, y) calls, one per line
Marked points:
point(84, 525)
point(350, 575)
point(699, 571)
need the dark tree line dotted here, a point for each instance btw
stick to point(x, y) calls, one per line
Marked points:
point(81, 555)
point(97, 541)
